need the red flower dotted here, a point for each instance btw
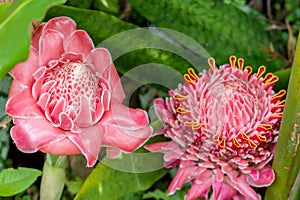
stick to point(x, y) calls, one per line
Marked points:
point(66, 98)
point(223, 124)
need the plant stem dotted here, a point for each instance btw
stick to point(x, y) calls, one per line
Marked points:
point(287, 155)
point(53, 178)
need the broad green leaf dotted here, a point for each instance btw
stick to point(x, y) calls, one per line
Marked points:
point(108, 183)
point(3, 10)
point(287, 155)
point(222, 29)
point(131, 46)
point(15, 32)
point(108, 6)
point(13, 181)
point(283, 81)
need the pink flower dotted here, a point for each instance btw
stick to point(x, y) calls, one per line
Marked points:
point(223, 124)
point(66, 98)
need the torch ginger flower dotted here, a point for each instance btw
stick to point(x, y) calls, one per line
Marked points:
point(66, 98)
point(223, 124)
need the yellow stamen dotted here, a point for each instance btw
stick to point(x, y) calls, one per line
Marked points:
point(265, 126)
point(179, 97)
point(249, 69)
point(188, 79)
point(182, 110)
point(244, 136)
point(270, 79)
point(261, 71)
point(197, 126)
point(222, 143)
point(261, 137)
point(189, 123)
point(232, 60)
point(216, 137)
point(280, 104)
point(252, 144)
point(193, 74)
point(279, 94)
point(212, 63)
point(236, 143)
point(240, 63)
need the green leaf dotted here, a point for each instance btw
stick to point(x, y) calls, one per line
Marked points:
point(108, 183)
point(221, 29)
point(13, 181)
point(287, 155)
point(4, 147)
point(108, 6)
point(15, 32)
point(284, 76)
point(139, 48)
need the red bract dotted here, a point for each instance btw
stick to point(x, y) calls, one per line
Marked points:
point(66, 98)
point(223, 124)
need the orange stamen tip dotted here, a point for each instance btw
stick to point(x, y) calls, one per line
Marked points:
point(261, 70)
point(222, 143)
point(192, 74)
point(232, 60)
point(236, 143)
point(182, 110)
point(261, 137)
point(212, 63)
point(244, 136)
point(189, 123)
point(179, 97)
point(216, 137)
point(197, 126)
point(279, 94)
point(265, 127)
point(188, 79)
point(270, 78)
point(249, 69)
point(252, 144)
point(240, 63)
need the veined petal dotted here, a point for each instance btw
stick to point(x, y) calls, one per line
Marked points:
point(50, 46)
point(34, 133)
point(266, 178)
point(100, 58)
point(22, 105)
point(79, 42)
point(124, 127)
point(64, 25)
point(24, 70)
point(89, 142)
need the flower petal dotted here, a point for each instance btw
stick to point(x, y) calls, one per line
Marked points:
point(266, 178)
point(64, 25)
point(24, 70)
point(79, 42)
point(32, 134)
point(101, 60)
point(22, 105)
point(50, 46)
point(35, 38)
point(89, 142)
point(124, 127)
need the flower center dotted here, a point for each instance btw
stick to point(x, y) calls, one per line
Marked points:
point(73, 96)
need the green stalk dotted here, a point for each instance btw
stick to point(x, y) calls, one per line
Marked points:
point(54, 177)
point(287, 156)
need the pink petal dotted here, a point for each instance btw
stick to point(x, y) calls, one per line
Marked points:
point(89, 142)
point(24, 70)
point(112, 152)
point(226, 192)
point(199, 190)
point(50, 47)
point(64, 25)
point(101, 60)
point(84, 117)
point(244, 188)
point(61, 147)
point(79, 42)
point(35, 38)
point(15, 88)
point(32, 134)
point(124, 127)
point(161, 110)
point(266, 178)
point(182, 176)
point(22, 105)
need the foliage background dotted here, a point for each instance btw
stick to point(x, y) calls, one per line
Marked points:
point(262, 32)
